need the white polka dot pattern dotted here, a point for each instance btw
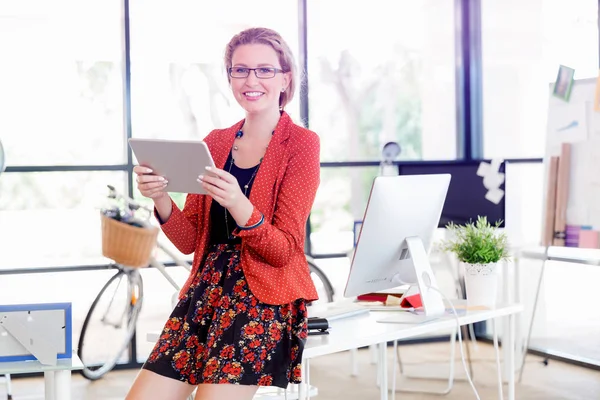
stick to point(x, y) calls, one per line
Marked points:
point(284, 190)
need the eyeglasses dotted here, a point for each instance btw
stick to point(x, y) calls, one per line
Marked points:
point(261, 72)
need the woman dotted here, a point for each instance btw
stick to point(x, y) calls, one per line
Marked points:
point(241, 318)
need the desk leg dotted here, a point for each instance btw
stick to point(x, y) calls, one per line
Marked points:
point(394, 376)
point(373, 352)
point(506, 299)
point(518, 321)
point(497, 352)
point(535, 302)
point(354, 361)
point(383, 370)
point(307, 370)
point(49, 385)
point(511, 356)
point(62, 385)
point(8, 387)
point(302, 389)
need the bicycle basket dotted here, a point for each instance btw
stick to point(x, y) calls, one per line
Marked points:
point(126, 244)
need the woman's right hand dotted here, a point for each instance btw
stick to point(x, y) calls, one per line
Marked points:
point(150, 185)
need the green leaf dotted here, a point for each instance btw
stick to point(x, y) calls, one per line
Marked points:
point(477, 243)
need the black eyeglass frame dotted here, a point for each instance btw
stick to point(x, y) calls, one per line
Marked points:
point(275, 72)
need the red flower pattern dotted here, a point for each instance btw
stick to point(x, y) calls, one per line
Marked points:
point(265, 380)
point(258, 330)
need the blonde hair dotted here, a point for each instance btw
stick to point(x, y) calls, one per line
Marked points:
point(270, 38)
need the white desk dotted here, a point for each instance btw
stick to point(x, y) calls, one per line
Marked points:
point(57, 378)
point(364, 330)
point(551, 253)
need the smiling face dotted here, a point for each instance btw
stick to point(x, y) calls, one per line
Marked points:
point(254, 94)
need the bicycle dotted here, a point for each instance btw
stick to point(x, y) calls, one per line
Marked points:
point(119, 306)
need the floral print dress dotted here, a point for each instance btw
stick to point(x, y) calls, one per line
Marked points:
point(219, 332)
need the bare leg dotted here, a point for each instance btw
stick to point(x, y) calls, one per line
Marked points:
point(225, 391)
point(150, 385)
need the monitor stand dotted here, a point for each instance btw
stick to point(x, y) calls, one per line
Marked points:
point(433, 304)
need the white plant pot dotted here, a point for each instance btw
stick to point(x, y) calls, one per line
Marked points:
point(481, 282)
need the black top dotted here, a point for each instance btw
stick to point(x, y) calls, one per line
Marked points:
point(218, 231)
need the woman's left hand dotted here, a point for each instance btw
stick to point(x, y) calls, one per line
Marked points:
point(221, 186)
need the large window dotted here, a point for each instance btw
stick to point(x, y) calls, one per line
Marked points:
point(383, 71)
point(61, 80)
point(61, 101)
point(179, 85)
point(521, 55)
point(52, 218)
point(341, 200)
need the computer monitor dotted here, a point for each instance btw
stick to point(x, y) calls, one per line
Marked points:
point(466, 199)
point(401, 217)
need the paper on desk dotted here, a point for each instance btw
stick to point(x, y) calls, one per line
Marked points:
point(419, 317)
point(407, 318)
point(462, 308)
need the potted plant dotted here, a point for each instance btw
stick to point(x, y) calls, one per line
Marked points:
point(479, 247)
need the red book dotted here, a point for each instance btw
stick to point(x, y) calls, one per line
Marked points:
point(372, 297)
point(412, 301)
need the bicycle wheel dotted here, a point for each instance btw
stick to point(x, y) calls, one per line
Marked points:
point(110, 323)
point(322, 283)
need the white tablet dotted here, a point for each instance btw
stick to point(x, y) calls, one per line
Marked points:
point(179, 161)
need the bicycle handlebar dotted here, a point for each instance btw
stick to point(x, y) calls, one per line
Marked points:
point(129, 202)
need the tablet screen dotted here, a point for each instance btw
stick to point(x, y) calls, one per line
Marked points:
point(180, 162)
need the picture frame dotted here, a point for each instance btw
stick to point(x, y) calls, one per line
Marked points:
point(54, 319)
point(564, 83)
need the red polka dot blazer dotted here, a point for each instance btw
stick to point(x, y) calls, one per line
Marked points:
point(284, 190)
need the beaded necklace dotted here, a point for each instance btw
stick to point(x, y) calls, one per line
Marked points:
point(239, 135)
